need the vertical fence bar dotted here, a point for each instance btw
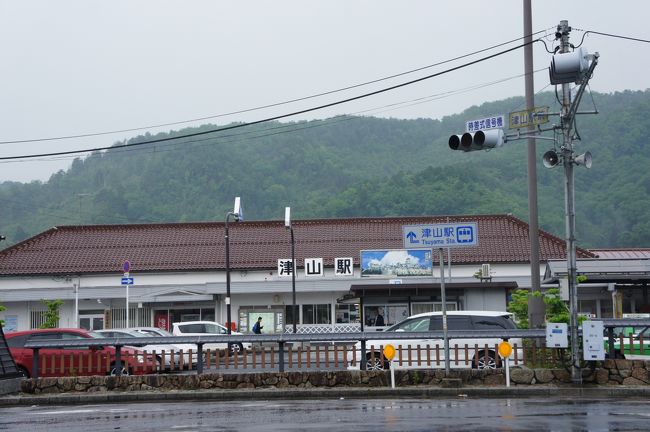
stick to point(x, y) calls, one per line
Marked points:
point(318, 356)
point(308, 356)
point(428, 355)
point(327, 356)
point(272, 357)
point(466, 355)
point(290, 356)
point(400, 355)
point(516, 352)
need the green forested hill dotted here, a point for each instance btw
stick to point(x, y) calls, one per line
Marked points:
point(354, 166)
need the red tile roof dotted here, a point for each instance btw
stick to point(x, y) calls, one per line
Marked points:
point(255, 244)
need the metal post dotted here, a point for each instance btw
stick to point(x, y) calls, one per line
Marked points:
point(227, 238)
point(570, 216)
point(294, 309)
point(444, 310)
point(127, 306)
point(35, 362)
point(199, 359)
point(536, 307)
point(118, 360)
point(76, 305)
point(281, 356)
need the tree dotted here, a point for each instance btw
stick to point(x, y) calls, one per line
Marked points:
point(2, 322)
point(556, 309)
point(52, 314)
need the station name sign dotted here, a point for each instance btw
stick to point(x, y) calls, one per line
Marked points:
point(440, 235)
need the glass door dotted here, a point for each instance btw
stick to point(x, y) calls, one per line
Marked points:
point(91, 322)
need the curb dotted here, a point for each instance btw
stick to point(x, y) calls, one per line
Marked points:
point(355, 392)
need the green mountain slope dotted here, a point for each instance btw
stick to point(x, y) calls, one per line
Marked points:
point(354, 166)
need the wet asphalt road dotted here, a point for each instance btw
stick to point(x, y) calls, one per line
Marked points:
point(461, 414)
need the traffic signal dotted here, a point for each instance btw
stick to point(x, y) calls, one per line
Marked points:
point(568, 67)
point(481, 140)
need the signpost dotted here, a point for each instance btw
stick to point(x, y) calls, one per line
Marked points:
point(389, 354)
point(505, 351)
point(532, 117)
point(446, 235)
point(127, 280)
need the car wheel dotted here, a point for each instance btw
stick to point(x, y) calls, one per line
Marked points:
point(113, 371)
point(484, 362)
point(374, 362)
point(235, 348)
point(22, 372)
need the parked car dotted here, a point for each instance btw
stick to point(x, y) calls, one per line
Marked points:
point(67, 361)
point(640, 336)
point(432, 321)
point(158, 332)
point(170, 351)
point(204, 328)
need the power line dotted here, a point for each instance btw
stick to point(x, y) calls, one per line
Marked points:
point(344, 117)
point(273, 104)
point(268, 119)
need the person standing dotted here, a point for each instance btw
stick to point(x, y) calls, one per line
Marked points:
point(379, 319)
point(257, 327)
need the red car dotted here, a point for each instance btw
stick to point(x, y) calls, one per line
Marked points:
point(73, 361)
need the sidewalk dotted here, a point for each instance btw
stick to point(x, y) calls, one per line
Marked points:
point(320, 393)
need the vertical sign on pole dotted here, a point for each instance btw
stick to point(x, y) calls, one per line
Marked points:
point(446, 235)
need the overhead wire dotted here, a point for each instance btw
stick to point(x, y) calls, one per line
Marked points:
point(277, 117)
point(294, 127)
point(276, 104)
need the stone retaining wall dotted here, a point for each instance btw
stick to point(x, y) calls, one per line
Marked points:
point(611, 372)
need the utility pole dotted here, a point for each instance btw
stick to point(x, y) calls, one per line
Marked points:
point(566, 116)
point(536, 307)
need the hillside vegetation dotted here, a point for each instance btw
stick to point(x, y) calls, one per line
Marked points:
point(354, 166)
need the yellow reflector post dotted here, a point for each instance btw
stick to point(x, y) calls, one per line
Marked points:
point(505, 349)
point(389, 352)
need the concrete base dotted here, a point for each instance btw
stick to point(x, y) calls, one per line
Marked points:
point(10, 385)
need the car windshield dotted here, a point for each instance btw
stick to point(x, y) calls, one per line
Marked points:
point(412, 325)
point(158, 332)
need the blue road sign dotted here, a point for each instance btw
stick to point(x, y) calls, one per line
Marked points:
point(127, 281)
point(440, 235)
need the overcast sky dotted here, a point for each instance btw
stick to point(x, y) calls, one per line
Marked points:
point(73, 67)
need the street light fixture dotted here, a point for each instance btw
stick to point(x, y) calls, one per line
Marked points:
point(287, 225)
point(238, 217)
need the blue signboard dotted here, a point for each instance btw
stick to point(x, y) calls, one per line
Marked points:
point(440, 235)
point(396, 263)
point(127, 281)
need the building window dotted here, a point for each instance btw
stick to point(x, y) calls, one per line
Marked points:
point(289, 314)
point(316, 314)
point(347, 313)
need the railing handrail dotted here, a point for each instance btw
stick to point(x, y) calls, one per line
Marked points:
point(300, 337)
point(284, 337)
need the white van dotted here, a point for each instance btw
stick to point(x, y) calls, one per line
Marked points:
point(430, 350)
point(205, 328)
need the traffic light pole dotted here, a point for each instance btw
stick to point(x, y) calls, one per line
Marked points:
point(570, 215)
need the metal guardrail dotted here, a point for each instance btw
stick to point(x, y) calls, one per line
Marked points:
point(281, 339)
